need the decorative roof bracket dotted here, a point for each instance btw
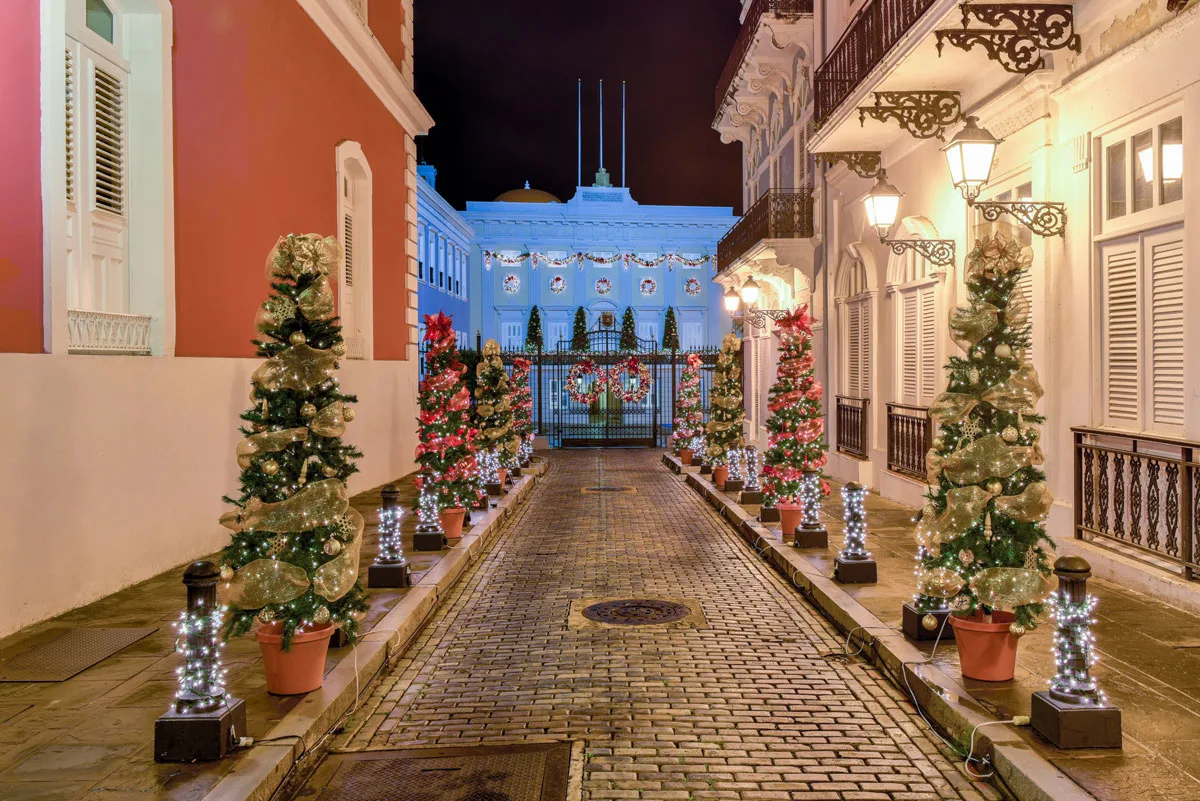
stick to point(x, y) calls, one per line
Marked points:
point(866, 163)
point(1035, 28)
point(923, 114)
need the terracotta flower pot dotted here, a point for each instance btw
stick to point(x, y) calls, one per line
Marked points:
point(452, 522)
point(685, 456)
point(789, 517)
point(986, 651)
point(502, 475)
point(301, 668)
point(720, 474)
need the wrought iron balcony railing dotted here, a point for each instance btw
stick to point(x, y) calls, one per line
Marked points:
point(778, 214)
point(1140, 494)
point(909, 437)
point(853, 425)
point(787, 9)
point(874, 30)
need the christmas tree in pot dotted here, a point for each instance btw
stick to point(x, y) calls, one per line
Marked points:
point(689, 417)
point(726, 411)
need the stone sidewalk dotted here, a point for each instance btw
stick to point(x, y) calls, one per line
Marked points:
point(1149, 664)
point(755, 702)
point(91, 737)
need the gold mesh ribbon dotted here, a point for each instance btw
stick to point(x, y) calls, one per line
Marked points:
point(986, 457)
point(491, 348)
point(317, 302)
point(1009, 587)
point(964, 506)
point(267, 442)
point(300, 254)
point(336, 577)
point(330, 421)
point(299, 368)
point(939, 582)
point(262, 582)
point(1016, 314)
point(1030, 506)
point(318, 504)
point(952, 407)
point(1019, 393)
point(970, 324)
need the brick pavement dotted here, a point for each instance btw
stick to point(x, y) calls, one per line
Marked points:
point(747, 708)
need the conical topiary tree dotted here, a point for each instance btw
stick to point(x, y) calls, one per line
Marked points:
point(522, 405)
point(494, 413)
point(579, 333)
point(293, 557)
point(982, 525)
point(689, 417)
point(629, 338)
point(670, 340)
point(796, 424)
point(726, 411)
point(449, 472)
point(533, 331)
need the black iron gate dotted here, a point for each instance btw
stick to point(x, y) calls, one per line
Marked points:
point(608, 420)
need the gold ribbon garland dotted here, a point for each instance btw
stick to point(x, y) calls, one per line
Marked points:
point(970, 324)
point(1030, 506)
point(318, 504)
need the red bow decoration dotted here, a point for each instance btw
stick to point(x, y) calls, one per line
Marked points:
point(438, 327)
point(799, 321)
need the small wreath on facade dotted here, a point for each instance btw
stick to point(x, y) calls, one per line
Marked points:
point(691, 287)
point(635, 368)
point(575, 376)
point(558, 285)
point(648, 286)
point(603, 286)
point(512, 284)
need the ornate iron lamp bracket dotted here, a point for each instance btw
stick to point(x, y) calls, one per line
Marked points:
point(923, 114)
point(1043, 218)
point(867, 163)
point(939, 251)
point(1035, 27)
point(758, 317)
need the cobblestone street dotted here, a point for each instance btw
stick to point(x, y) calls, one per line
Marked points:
point(746, 704)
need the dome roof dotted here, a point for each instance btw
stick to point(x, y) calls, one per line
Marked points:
point(527, 195)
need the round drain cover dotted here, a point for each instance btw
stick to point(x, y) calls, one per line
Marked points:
point(636, 612)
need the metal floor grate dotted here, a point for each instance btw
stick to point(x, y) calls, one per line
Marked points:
point(535, 772)
point(74, 651)
point(586, 490)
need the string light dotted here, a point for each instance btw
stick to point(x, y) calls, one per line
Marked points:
point(201, 677)
point(698, 453)
point(1074, 650)
point(750, 456)
point(391, 547)
point(810, 499)
point(855, 516)
point(735, 464)
point(489, 464)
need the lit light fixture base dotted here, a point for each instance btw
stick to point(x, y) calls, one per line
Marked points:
point(855, 571)
point(1068, 725)
point(428, 537)
point(806, 536)
point(1042, 217)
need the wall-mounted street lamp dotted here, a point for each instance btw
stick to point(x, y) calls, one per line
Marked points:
point(731, 300)
point(883, 206)
point(748, 294)
point(970, 155)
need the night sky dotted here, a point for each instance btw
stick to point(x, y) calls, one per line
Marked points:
point(499, 78)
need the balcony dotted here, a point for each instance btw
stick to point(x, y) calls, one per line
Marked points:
point(909, 438)
point(108, 333)
point(872, 33)
point(780, 9)
point(778, 214)
point(853, 423)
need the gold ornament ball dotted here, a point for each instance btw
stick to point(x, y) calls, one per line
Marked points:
point(1032, 432)
point(308, 410)
point(266, 615)
point(297, 338)
point(260, 427)
point(995, 487)
point(1017, 629)
point(321, 615)
point(329, 470)
point(1003, 351)
point(254, 503)
point(333, 547)
point(226, 573)
point(938, 443)
point(929, 622)
point(339, 349)
point(348, 414)
point(1009, 434)
point(270, 467)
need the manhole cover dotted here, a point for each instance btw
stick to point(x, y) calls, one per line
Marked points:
point(609, 489)
point(73, 651)
point(535, 772)
point(636, 612)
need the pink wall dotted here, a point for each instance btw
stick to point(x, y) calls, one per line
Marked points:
point(21, 198)
point(386, 18)
point(261, 101)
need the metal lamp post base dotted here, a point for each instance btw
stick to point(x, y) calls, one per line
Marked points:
point(855, 571)
point(706, 469)
point(768, 514)
point(734, 485)
point(199, 736)
point(1069, 725)
point(751, 498)
point(428, 538)
point(396, 574)
point(494, 488)
point(814, 537)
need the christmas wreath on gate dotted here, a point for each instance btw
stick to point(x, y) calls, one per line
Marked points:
point(575, 376)
point(634, 368)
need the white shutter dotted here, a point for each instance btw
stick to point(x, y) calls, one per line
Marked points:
point(108, 120)
point(929, 364)
point(910, 348)
point(70, 112)
point(1025, 287)
point(854, 349)
point(864, 346)
point(1119, 339)
point(1163, 255)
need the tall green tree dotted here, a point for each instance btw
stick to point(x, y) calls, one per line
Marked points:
point(988, 497)
point(670, 340)
point(629, 338)
point(726, 411)
point(579, 333)
point(533, 331)
point(293, 555)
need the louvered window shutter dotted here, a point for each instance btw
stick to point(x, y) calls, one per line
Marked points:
point(109, 121)
point(70, 114)
point(929, 365)
point(910, 345)
point(854, 349)
point(348, 230)
point(864, 344)
point(1163, 255)
point(1120, 335)
point(1025, 287)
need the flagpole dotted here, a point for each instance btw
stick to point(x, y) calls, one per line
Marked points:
point(622, 133)
point(602, 123)
point(579, 133)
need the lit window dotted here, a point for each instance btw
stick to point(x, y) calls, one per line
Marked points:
point(1143, 168)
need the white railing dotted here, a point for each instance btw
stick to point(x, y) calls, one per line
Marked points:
point(108, 332)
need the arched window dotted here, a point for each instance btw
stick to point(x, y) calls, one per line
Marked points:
point(913, 280)
point(354, 234)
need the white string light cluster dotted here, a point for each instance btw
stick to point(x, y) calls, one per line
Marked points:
point(391, 548)
point(735, 464)
point(810, 498)
point(201, 677)
point(698, 450)
point(525, 451)
point(750, 456)
point(854, 513)
point(489, 463)
point(427, 507)
point(1074, 644)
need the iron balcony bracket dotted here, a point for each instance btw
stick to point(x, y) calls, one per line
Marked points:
point(923, 114)
point(758, 317)
point(1043, 218)
point(938, 251)
point(1035, 28)
point(866, 163)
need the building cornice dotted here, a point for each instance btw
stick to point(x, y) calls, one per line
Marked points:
point(366, 55)
point(440, 206)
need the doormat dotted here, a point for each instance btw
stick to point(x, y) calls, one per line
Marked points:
point(655, 613)
point(70, 653)
point(533, 772)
